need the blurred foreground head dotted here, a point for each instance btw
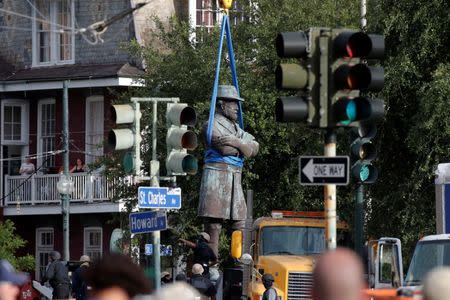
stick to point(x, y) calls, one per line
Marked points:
point(338, 275)
point(116, 277)
point(436, 285)
point(177, 291)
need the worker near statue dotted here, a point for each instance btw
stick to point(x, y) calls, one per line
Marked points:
point(221, 195)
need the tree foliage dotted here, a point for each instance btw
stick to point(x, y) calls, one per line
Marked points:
point(10, 243)
point(414, 138)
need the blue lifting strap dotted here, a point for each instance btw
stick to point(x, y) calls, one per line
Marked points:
point(211, 154)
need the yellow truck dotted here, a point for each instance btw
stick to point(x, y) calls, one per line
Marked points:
point(285, 245)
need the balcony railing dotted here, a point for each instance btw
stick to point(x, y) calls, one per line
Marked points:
point(39, 189)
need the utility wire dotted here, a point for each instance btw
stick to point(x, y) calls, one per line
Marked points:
point(34, 156)
point(29, 29)
point(35, 9)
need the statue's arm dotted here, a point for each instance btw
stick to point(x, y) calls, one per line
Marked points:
point(246, 144)
point(216, 143)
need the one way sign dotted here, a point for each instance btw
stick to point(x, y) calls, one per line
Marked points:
point(322, 170)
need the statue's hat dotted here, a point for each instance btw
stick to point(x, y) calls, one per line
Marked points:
point(228, 92)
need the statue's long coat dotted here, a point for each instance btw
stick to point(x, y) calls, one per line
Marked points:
point(221, 194)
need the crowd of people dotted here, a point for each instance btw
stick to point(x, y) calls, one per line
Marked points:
point(338, 275)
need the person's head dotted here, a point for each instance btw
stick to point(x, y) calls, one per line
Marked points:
point(177, 290)
point(27, 159)
point(181, 277)
point(79, 162)
point(54, 255)
point(338, 275)
point(197, 269)
point(436, 284)
point(204, 237)
point(10, 281)
point(85, 260)
point(267, 280)
point(166, 277)
point(120, 279)
point(227, 101)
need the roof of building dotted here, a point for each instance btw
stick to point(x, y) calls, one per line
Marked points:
point(6, 69)
point(73, 72)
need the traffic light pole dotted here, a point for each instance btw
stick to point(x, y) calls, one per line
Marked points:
point(154, 182)
point(65, 197)
point(330, 194)
point(154, 175)
point(359, 218)
point(359, 192)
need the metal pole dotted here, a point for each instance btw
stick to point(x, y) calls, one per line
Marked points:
point(137, 138)
point(154, 182)
point(330, 195)
point(359, 219)
point(359, 192)
point(65, 197)
point(363, 19)
point(1, 174)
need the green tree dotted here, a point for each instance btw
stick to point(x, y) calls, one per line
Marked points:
point(414, 138)
point(10, 243)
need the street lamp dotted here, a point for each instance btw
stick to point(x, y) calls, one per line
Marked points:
point(64, 185)
point(65, 188)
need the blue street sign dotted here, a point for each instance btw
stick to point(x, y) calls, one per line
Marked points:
point(148, 249)
point(159, 197)
point(164, 250)
point(148, 221)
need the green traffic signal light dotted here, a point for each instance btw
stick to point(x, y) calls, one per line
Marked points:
point(364, 172)
point(362, 153)
point(349, 110)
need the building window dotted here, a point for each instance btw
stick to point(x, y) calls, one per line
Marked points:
point(44, 245)
point(93, 242)
point(46, 131)
point(208, 13)
point(14, 123)
point(94, 128)
point(53, 32)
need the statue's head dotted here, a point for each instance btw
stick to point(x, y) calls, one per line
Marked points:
point(227, 101)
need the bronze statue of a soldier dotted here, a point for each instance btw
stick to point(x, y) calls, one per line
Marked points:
point(221, 195)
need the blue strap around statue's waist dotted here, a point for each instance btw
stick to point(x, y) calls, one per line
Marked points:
point(214, 156)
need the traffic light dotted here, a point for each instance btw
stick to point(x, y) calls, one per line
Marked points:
point(363, 152)
point(126, 138)
point(300, 76)
point(180, 139)
point(349, 76)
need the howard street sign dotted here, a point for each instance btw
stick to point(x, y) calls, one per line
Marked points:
point(322, 170)
point(159, 197)
point(148, 221)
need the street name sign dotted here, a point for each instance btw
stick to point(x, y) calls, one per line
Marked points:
point(322, 170)
point(159, 197)
point(148, 221)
